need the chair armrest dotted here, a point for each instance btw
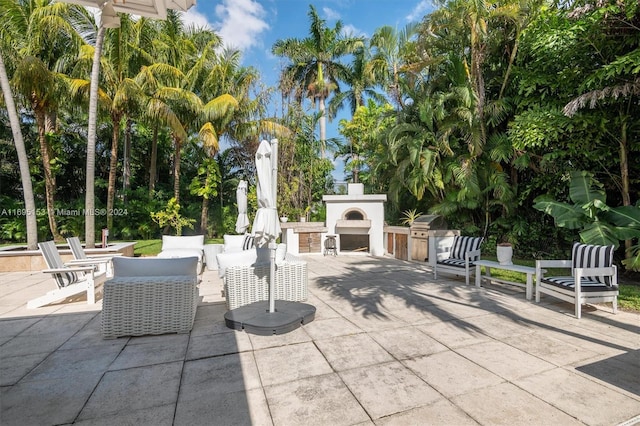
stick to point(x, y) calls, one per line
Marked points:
point(69, 269)
point(605, 271)
point(470, 254)
point(104, 256)
point(553, 263)
point(79, 262)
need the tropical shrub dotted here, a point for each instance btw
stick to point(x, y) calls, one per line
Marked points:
point(589, 212)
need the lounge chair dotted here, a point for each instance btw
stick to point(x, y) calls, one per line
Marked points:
point(593, 278)
point(70, 279)
point(459, 258)
point(103, 261)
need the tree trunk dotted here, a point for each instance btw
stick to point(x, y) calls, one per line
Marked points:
point(126, 167)
point(49, 179)
point(624, 176)
point(51, 122)
point(176, 169)
point(113, 167)
point(153, 161)
point(512, 59)
point(323, 125)
point(23, 160)
point(204, 216)
point(90, 202)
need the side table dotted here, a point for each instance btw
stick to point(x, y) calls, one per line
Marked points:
point(488, 264)
point(210, 252)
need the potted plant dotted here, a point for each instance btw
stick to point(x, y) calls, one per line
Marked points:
point(409, 216)
point(304, 216)
point(504, 252)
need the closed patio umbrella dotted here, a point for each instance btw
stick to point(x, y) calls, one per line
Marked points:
point(266, 226)
point(262, 317)
point(242, 222)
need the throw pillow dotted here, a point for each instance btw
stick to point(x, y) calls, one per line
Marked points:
point(248, 242)
point(233, 243)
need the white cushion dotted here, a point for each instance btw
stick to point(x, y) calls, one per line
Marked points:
point(182, 242)
point(281, 253)
point(182, 252)
point(238, 258)
point(233, 243)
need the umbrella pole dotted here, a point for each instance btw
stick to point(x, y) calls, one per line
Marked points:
point(272, 244)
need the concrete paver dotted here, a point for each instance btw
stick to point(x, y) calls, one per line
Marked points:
point(389, 346)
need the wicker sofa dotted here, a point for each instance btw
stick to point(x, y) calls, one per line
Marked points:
point(248, 281)
point(150, 296)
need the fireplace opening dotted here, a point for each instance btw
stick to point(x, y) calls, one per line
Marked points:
point(354, 242)
point(354, 215)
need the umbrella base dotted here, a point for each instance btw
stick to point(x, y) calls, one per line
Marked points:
point(255, 318)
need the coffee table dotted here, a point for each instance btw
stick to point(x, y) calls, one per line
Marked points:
point(488, 264)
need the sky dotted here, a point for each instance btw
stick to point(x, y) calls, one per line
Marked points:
point(253, 26)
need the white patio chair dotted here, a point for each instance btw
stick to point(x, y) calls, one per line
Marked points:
point(594, 277)
point(102, 261)
point(70, 279)
point(460, 257)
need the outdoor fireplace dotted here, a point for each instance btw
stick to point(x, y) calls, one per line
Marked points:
point(357, 220)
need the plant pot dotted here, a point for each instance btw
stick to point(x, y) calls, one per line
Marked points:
point(504, 252)
point(284, 219)
point(303, 218)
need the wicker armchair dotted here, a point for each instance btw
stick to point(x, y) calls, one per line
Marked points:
point(248, 284)
point(150, 296)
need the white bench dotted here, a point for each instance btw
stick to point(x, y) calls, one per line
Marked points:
point(488, 264)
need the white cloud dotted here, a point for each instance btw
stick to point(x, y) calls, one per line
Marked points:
point(194, 18)
point(422, 8)
point(330, 14)
point(240, 23)
point(350, 30)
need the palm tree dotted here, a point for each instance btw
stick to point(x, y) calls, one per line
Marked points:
point(119, 94)
point(360, 85)
point(314, 70)
point(179, 108)
point(7, 45)
point(44, 35)
point(386, 64)
point(25, 174)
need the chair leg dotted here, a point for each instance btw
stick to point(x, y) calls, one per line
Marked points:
point(614, 304)
point(578, 308)
point(91, 292)
point(58, 294)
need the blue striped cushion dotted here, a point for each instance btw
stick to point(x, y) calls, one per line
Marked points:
point(462, 245)
point(248, 242)
point(586, 285)
point(459, 263)
point(592, 256)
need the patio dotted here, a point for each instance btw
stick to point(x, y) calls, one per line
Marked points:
point(389, 345)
